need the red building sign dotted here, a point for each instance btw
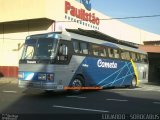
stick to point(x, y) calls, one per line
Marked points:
point(81, 14)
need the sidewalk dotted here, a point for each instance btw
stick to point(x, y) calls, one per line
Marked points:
point(4, 80)
point(150, 84)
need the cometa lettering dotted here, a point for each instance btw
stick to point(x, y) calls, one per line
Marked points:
point(81, 14)
point(102, 64)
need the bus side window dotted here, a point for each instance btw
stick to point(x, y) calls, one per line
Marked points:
point(116, 53)
point(128, 57)
point(95, 49)
point(122, 55)
point(106, 51)
point(133, 56)
point(110, 52)
point(103, 52)
point(76, 46)
point(99, 51)
point(125, 55)
point(84, 48)
point(138, 58)
point(146, 59)
point(143, 58)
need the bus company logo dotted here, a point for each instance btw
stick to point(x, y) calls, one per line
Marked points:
point(87, 4)
point(81, 14)
point(103, 64)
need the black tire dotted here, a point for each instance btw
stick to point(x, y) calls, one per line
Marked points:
point(133, 83)
point(78, 81)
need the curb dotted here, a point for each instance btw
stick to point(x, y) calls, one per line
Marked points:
point(5, 80)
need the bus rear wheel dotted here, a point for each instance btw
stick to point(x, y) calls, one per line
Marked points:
point(133, 83)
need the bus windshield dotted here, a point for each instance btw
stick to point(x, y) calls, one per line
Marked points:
point(43, 48)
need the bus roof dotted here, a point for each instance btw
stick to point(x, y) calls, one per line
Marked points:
point(44, 35)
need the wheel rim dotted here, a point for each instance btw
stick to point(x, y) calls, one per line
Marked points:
point(77, 83)
point(134, 82)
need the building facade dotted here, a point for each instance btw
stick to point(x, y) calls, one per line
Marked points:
point(153, 50)
point(20, 18)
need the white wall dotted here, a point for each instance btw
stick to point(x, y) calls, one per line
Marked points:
point(113, 28)
point(15, 35)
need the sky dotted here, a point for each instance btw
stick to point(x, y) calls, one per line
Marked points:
point(132, 8)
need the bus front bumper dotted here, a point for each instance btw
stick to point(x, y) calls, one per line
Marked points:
point(40, 85)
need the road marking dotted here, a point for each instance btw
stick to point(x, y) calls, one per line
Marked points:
point(138, 89)
point(74, 108)
point(121, 92)
point(5, 91)
point(76, 97)
point(117, 100)
point(156, 102)
point(150, 89)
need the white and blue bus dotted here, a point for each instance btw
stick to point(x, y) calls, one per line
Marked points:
point(80, 58)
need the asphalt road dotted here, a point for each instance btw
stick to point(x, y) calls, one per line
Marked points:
point(21, 103)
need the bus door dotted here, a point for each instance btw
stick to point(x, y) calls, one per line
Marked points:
point(63, 69)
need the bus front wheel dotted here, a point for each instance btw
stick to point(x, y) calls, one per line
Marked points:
point(77, 82)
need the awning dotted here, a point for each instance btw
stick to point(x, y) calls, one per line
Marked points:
point(102, 36)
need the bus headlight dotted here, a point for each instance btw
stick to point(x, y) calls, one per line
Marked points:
point(41, 76)
point(21, 75)
point(50, 76)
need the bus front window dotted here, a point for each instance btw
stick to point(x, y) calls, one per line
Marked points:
point(29, 52)
point(39, 49)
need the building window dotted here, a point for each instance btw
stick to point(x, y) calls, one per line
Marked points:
point(65, 16)
point(68, 18)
